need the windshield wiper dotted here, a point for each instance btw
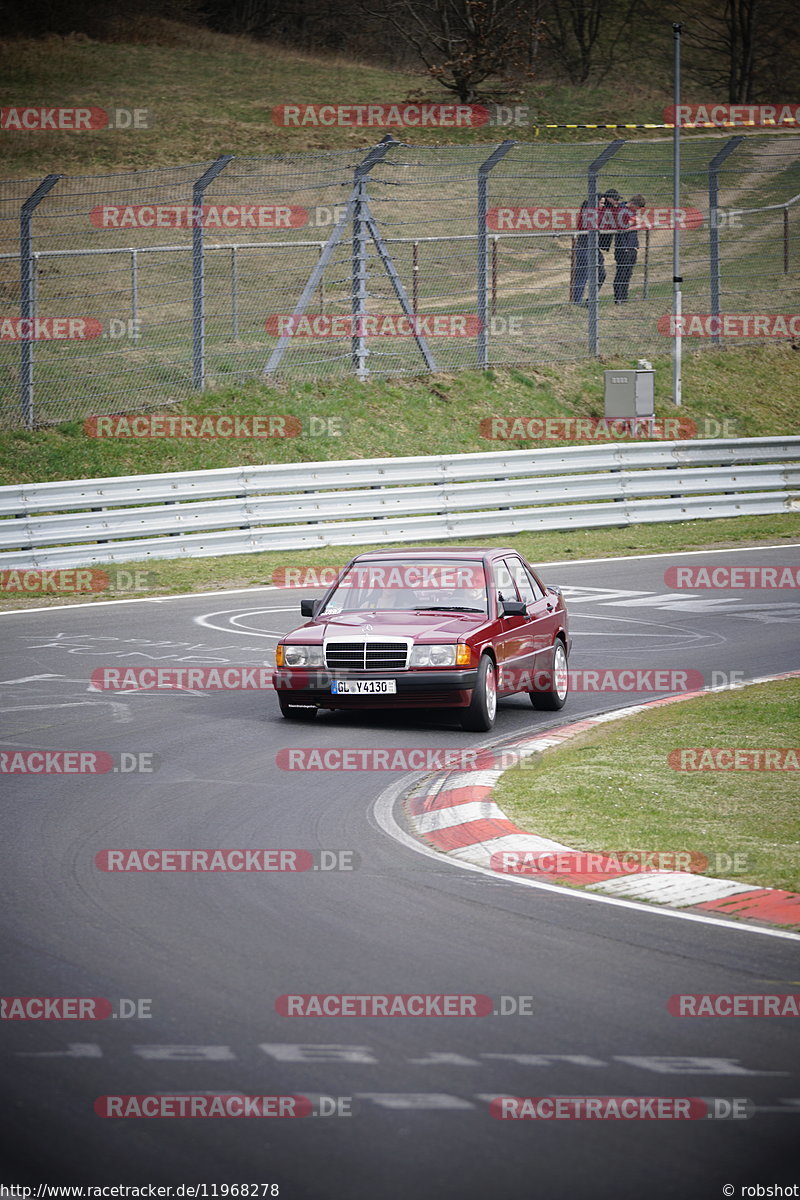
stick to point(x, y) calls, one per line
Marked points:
point(447, 608)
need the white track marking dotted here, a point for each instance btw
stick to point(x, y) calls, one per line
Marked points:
point(268, 587)
point(28, 679)
point(230, 626)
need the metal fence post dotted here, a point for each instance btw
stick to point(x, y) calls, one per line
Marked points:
point(415, 276)
point(593, 198)
point(483, 250)
point(234, 293)
point(358, 307)
point(198, 272)
point(713, 227)
point(134, 289)
point(27, 303)
point(359, 349)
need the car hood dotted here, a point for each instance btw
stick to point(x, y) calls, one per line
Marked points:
point(448, 626)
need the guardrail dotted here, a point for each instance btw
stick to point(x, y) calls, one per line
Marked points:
point(240, 510)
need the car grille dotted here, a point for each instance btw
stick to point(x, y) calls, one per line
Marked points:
point(369, 656)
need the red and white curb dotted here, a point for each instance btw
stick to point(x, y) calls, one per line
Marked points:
point(453, 812)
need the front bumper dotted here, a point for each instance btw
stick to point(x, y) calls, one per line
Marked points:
point(426, 688)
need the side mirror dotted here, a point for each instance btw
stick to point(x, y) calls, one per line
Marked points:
point(308, 608)
point(514, 608)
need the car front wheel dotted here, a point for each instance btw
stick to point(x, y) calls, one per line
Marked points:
point(482, 710)
point(555, 695)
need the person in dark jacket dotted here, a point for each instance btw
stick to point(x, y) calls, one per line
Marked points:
point(626, 247)
point(603, 218)
point(609, 218)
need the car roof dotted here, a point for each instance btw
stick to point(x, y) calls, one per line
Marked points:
point(483, 552)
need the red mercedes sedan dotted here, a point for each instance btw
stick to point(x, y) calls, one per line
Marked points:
point(436, 628)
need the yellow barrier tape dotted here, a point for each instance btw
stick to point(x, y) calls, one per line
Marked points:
point(768, 124)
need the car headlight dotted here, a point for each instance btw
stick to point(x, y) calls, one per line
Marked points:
point(299, 656)
point(433, 656)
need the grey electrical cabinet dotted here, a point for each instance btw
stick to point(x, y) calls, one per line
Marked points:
point(629, 393)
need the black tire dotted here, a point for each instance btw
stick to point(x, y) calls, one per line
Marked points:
point(556, 696)
point(296, 712)
point(480, 716)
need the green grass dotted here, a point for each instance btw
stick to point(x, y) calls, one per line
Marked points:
point(612, 789)
point(176, 576)
point(209, 94)
point(753, 390)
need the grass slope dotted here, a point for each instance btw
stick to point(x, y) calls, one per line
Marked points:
point(210, 94)
point(734, 393)
point(612, 788)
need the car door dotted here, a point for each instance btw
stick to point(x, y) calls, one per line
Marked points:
point(535, 637)
point(511, 640)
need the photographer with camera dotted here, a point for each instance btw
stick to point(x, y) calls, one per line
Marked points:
point(602, 217)
point(626, 247)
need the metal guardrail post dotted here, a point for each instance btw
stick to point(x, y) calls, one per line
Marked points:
point(483, 249)
point(594, 249)
point(198, 272)
point(27, 304)
point(713, 225)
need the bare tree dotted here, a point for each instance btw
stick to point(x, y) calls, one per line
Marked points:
point(724, 41)
point(465, 43)
point(584, 35)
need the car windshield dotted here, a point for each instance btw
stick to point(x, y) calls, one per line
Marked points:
point(429, 585)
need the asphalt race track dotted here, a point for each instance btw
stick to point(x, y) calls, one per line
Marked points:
point(213, 952)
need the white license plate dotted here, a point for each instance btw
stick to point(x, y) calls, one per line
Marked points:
point(364, 687)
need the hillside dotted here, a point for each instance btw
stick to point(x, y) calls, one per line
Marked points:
point(207, 94)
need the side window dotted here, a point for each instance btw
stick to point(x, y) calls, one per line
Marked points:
point(522, 580)
point(503, 582)
point(538, 590)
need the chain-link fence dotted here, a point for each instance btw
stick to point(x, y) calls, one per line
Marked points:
point(131, 291)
